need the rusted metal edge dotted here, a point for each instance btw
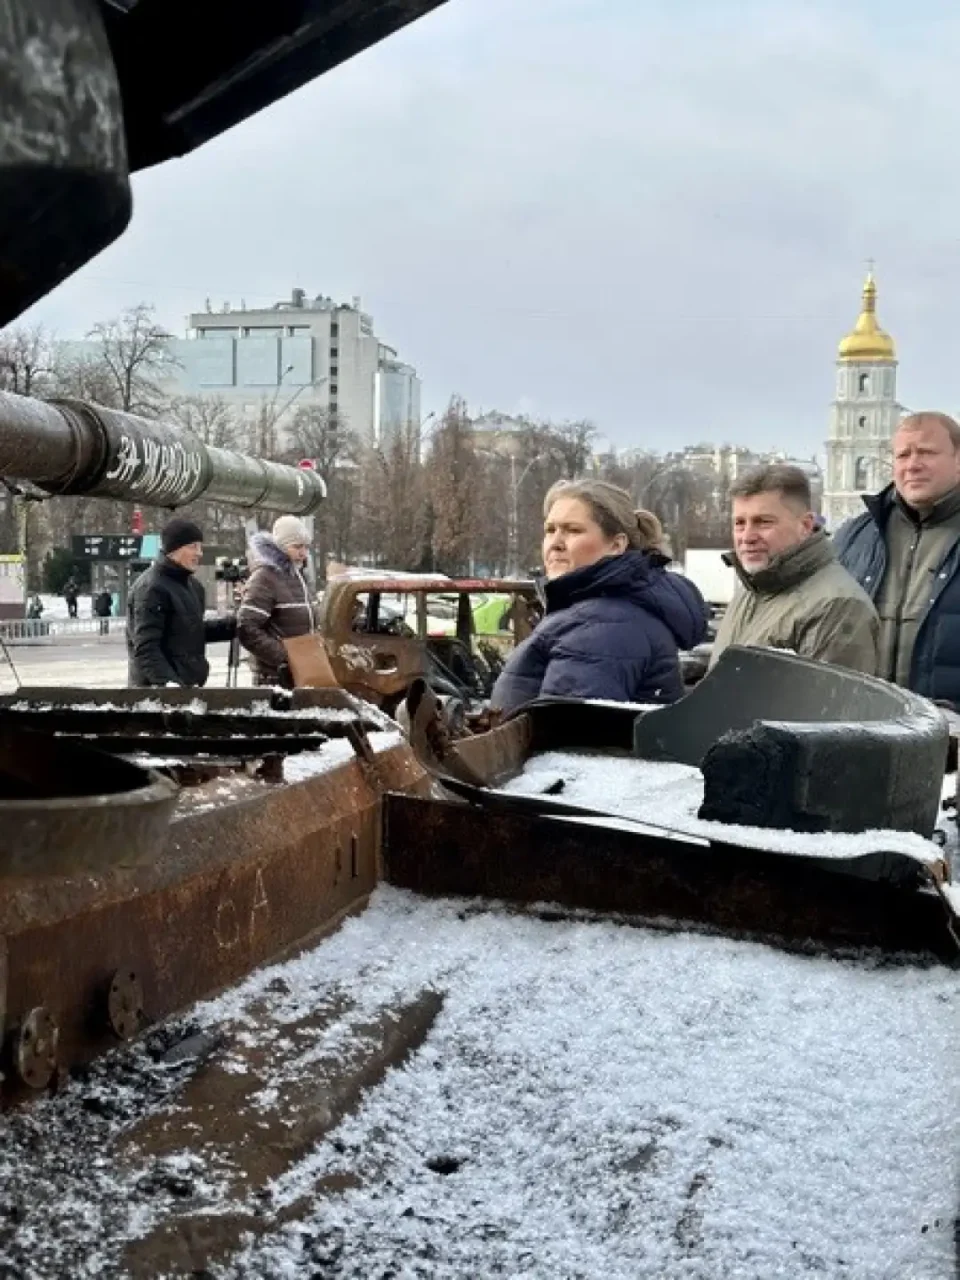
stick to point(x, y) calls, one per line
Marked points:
point(445, 848)
point(237, 886)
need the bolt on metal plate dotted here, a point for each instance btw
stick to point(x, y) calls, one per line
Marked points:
point(35, 1048)
point(125, 1004)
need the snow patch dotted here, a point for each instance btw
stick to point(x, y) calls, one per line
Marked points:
point(596, 1100)
point(310, 764)
point(669, 795)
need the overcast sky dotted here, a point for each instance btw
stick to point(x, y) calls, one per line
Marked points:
point(654, 215)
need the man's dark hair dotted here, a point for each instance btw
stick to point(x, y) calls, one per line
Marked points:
point(791, 483)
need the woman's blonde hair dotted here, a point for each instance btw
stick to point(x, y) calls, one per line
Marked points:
point(613, 510)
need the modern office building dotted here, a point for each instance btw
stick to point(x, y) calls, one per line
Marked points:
point(304, 351)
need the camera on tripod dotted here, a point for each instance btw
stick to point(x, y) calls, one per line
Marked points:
point(232, 570)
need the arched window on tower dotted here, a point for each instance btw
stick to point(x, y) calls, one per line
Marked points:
point(861, 474)
point(862, 425)
point(864, 383)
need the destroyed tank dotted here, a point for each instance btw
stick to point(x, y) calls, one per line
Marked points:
point(601, 991)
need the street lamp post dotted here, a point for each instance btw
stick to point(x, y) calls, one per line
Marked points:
point(513, 527)
point(422, 437)
point(513, 510)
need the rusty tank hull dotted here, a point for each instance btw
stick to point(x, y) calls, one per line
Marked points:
point(294, 806)
point(252, 864)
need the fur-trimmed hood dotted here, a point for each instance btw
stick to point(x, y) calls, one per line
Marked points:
point(264, 550)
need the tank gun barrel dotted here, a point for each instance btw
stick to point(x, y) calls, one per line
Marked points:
point(75, 447)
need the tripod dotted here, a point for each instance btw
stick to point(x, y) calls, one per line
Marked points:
point(233, 661)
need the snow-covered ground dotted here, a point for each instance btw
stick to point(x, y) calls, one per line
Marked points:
point(94, 662)
point(591, 1101)
point(56, 607)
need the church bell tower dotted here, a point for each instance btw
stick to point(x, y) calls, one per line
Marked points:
point(864, 415)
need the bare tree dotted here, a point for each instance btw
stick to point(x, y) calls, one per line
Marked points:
point(451, 492)
point(134, 350)
point(571, 443)
point(216, 424)
point(25, 364)
point(678, 498)
point(85, 377)
point(395, 518)
point(128, 354)
point(26, 360)
point(323, 435)
point(209, 417)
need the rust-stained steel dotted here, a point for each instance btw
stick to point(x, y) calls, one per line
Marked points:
point(443, 848)
point(481, 759)
point(470, 768)
point(66, 808)
point(240, 880)
point(243, 725)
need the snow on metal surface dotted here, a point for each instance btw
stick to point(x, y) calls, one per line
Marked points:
point(620, 1103)
point(591, 1101)
point(670, 795)
point(338, 751)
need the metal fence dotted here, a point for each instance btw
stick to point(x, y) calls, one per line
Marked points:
point(36, 630)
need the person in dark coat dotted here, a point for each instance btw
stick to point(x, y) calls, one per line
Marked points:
point(904, 550)
point(276, 600)
point(103, 608)
point(615, 618)
point(166, 629)
point(71, 593)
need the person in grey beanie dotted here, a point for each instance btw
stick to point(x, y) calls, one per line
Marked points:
point(167, 633)
point(276, 602)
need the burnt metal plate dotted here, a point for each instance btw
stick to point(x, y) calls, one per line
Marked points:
point(446, 848)
point(236, 885)
point(787, 742)
point(65, 807)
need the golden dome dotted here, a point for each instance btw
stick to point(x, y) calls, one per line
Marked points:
point(868, 342)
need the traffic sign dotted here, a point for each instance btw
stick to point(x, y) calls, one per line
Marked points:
point(106, 546)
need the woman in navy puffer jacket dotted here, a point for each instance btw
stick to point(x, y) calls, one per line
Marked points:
point(615, 619)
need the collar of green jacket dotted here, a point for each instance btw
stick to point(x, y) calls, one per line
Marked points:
point(789, 568)
point(881, 504)
point(939, 513)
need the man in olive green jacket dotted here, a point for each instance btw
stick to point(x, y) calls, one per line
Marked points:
point(793, 594)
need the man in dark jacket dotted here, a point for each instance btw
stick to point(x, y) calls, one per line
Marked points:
point(905, 552)
point(166, 629)
point(102, 609)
